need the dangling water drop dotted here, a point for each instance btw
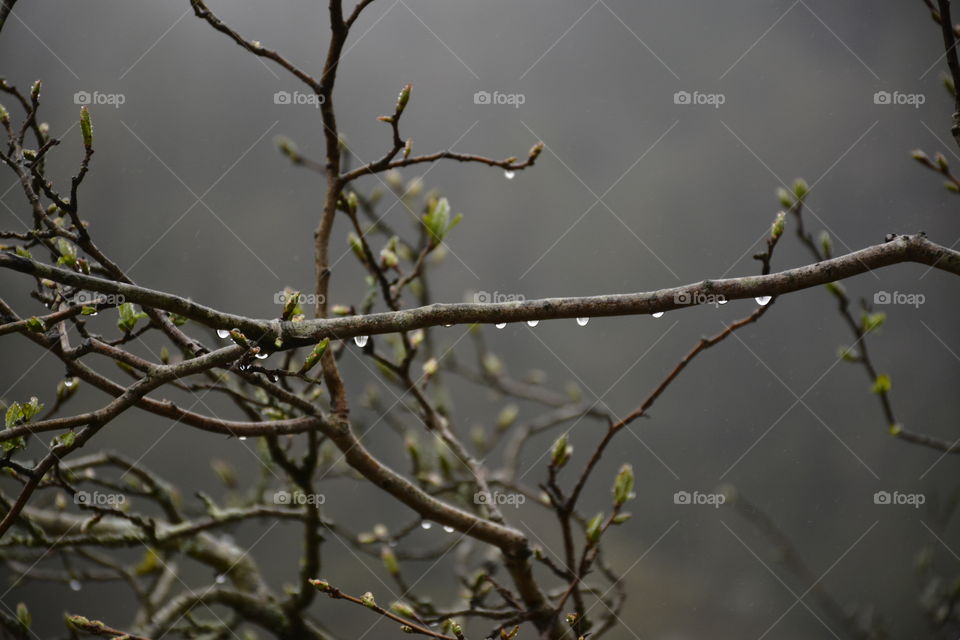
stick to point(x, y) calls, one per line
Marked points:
point(763, 300)
point(361, 341)
point(274, 378)
point(242, 438)
point(722, 301)
point(68, 382)
point(448, 325)
point(426, 525)
point(509, 174)
point(583, 321)
point(223, 334)
point(500, 325)
point(262, 356)
point(448, 529)
point(532, 323)
point(221, 579)
point(658, 314)
point(75, 585)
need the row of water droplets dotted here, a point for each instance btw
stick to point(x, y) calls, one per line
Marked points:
point(361, 341)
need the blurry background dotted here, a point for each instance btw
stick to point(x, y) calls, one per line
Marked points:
point(189, 194)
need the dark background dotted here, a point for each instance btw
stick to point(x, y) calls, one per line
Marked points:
point(693, 196)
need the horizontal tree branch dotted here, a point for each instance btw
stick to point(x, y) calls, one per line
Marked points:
point(909, 248)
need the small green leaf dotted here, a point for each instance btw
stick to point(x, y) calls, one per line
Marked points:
point(623, 485)
point(785, 198)
point(826, 245)
point(389, 559)
point(507, 417)
point(402, 609)
point(86, 127)
point(403, 98)
point(561, 452)
point(128, 317)
point(14, 415)
point(776, 229)
point(23, 615)
point(881, 384)
point(800, 188)
point(36, 325)
point(873, 321)
point(315, 355)
point(595, 528)
point(66, 439)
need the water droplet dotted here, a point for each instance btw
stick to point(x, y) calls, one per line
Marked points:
point(221, 579)
point(426, 525)
point(75, 585)
point(361, 341)
point(722, 301)
point(262, 356)
point(658, 314)
point(223, 334)
point(500, 325)
point(583, 321)
point(68, 382)
point(274, 378)
point(448, 325)
point(763, 300)
point(532, 323)
point(448, 529)
point(243, 437)
point(509, 174)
